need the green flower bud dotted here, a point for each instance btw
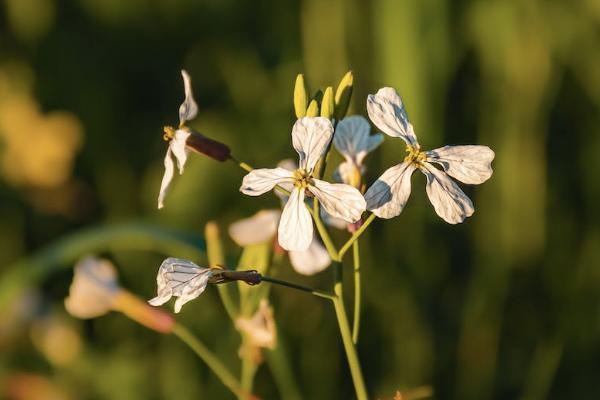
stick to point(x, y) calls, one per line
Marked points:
point(343, 95)
point(300, 97)
point(327, 104)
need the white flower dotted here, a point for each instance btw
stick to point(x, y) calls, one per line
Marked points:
point(260, 329)
point(353, 141)
point(388, 195)
point(262, 226)
point(182, 279)
point(310, 137)
point(177, 139)
point(94, 289)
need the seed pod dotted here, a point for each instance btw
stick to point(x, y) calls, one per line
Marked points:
point(313, 109)
point(209, 147)
point(300, 97)
point(343, 94)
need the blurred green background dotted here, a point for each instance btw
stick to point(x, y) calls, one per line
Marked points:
point(504, 306)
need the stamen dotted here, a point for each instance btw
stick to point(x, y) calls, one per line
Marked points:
point(169, 133)
point(415, 155)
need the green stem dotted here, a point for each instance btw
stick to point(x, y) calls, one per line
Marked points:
point(357, 293)
point(291, 285)
point(249, 368)
point(216, 257)
point(355, 236)
point(219, 369)
point(344, 326)
point(62, 253)
point(281, 371)
point(323, 232)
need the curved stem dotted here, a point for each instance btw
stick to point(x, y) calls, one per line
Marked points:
point(342, 318)
point(357, 293)
point(219, 369)
point(65, 251)
point(356, 235)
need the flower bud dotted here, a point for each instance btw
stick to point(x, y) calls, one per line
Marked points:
point(343, 94)
point(209, 147)
point(313, 109)
point(300, 96)
point(327, 104)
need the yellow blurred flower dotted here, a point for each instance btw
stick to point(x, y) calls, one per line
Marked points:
point(38, 149)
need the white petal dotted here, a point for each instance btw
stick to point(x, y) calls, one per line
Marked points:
point(311, 261)
point(469, 164)
point(188, 109)
point(167, 178)
point(94, 288)
point(388, 113)
point(290, 165)
point(180, 278)
point(262, 180)
point(260, 329)
point(351, 137)
point(179, 148)
point(447, 198)
point(310, 137)
point(339, 200)
point(388, 195)
point(259, 228)
point(374, 142)
point(295, 227)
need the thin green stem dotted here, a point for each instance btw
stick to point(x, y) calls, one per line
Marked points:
point(249, 368)
point(278, 360)
point(291, 285)
point(357, 292)
point(355, 236)
point(218, 368)
point(323, 232)
point(344, 326)
point(216, 257)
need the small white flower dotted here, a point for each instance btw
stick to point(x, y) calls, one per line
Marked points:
point(262, 226)
point(177, 139)
point(388, 195)
point(182, 279)
point(310, 137)
point(260, 329)
point(353, 141)
point(94, 288)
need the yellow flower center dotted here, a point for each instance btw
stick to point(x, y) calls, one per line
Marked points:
point(415, 155)
point(302, 178)
point(169, 133)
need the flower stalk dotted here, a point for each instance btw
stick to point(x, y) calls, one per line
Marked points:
point(212, 361)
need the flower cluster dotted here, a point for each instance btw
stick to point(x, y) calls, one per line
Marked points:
point(341, 203)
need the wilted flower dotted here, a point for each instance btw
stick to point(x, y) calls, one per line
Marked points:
point(310, 137)
point(262, 226)
point(388, 195)
point(353, 141)
point(259, 331)
point(182, 279)
point(95, 291)
point(183, 139)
